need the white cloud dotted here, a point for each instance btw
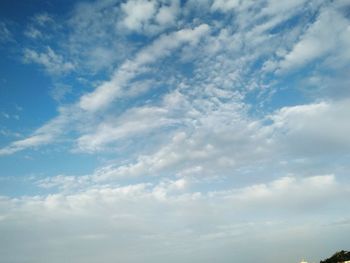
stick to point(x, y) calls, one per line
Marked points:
point(213, 140)
point(221, 145)
point(46, 134)
point(95, 43)
point(137, 13)
point(289, 193)
point(225, 5)
point(39, 27)
point(220, 74)
point(282, 193)
point(195, 165)
point(33, 33)
point(139, 121)
point(105, 93)
point(206, 109)
point(29, 142)
point(310, 129)
point(167, 14)
point(167, 220)
point(327, 35)
point(100, 58)
point(110, 90)
point(275, 7)
point(149, 17)
point(43, 19)
point(60, 91)
point(52, 62)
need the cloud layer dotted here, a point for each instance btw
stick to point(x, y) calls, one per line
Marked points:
point(216, 131)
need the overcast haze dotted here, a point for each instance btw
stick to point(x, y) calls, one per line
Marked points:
point(174, 131)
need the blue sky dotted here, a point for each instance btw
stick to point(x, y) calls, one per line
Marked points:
point(192, 131)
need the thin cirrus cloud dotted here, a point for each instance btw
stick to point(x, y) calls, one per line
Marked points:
point(108, 91)
point(52, 62)
point(105, 93)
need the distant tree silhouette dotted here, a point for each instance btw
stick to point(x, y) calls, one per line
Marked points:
point(338, 257)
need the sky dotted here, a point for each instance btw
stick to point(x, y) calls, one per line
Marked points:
point(174, 131)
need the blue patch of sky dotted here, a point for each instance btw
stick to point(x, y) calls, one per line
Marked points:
point(23, 82)
point(288, 92)
point(23, 10)
point(49, 161)
point(274, 94)
point(290, 23)
point(139, 39)
point(17, 186)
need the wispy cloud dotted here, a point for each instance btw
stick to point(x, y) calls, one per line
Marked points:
point(5, 33)
point(52, 62)
point(109, 90)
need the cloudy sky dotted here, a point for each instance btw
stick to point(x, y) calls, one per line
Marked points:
point(174, 131)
